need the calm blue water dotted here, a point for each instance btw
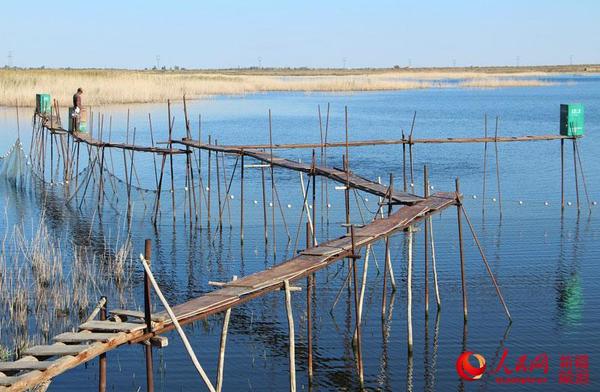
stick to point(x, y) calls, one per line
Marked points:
point(545, 261)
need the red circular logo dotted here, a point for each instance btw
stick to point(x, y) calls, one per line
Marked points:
point(468, 372)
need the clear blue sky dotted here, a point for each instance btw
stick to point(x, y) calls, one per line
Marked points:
point(203, 34)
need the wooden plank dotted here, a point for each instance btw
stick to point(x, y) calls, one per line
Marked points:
point(137, 314)
point(96, 325)
point(57, 349)
point(24, 365)
point(200, 304)
point(76, 337)
point(324, 250)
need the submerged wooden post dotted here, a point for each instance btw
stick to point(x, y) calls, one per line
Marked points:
point(102, 358)
point(433, 264)
point(460, 247)
point(264, 203)
point(292, 342)
point(404, 162)
point(148, 318)
point(208, 187)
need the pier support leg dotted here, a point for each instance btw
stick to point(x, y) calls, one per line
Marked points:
point(292, 343)
point(433, 264)
point(409, 291)
point(102, 358)
point(576, 175)
point(461, 250)
point(356, 310)
point(562, 174)
point(242, 201)
point(426, 241)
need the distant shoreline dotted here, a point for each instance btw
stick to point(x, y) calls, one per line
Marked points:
point(120, 86)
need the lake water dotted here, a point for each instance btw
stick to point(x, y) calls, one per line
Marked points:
point(545, 261)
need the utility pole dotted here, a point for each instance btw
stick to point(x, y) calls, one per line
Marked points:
point(344, 60)
point(259, 62)
point(158, 61)
point(9, 62)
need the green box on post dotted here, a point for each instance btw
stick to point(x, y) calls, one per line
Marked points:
point(571, 119)
point(42, 103)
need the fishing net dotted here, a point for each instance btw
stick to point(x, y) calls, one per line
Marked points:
point(13, 165)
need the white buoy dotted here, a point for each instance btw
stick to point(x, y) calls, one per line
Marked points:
point(412, 185)
point(186, 188)
point(207, 189)
point(474, 196)
point(520, 202)
point(594, 203)
point(289, 206)
point(569, 203)
point(310, 206)
point(270, 204)
point(328, 205)
point(546, 203)
point(255, 201)
point(366, 199)
point(493, 199)
point(430, 186)
point(231, 197)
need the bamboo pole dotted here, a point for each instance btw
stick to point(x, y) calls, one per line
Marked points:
point(585, 190)
point(209, 187)
point(410, 153)
point(171, 123)
point(180, 331)
point(219, 189)
point(405, 188)
point(102, 357)
point(309, 291)
point(242, 199)
point(292, 343)
point(273, 228)
point(264, 204)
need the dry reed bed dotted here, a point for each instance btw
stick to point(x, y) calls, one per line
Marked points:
point(122, 86)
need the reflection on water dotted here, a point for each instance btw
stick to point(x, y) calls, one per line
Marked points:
point(544, 263)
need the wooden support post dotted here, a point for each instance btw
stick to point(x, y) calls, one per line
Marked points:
point(314, 199)
point(562, 174)
point(148, 318)
point(273, 228)
point(264, 204)
point(576, 175)
point(426, 241)
point(388, 255)
point(292, 343)
point(309, 290)
point(460, 247)
point(409, 291)
point(346, 194)
point(410, 153)
point(171, 159)
point(102, 357)
point(498, 168)
point(222, 344)
point(485, 147)
point(219, 189)
point(242, 200)
point(209, 187)
point(357, 317)
point(405, 188)
point(325, 164)
point(433, 263)
point(587, 195)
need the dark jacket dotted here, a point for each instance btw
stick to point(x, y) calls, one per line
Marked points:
point(77, 100)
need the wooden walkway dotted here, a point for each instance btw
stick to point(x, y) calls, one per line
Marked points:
point(340, 176)
point(383, 142)
point(41, 363)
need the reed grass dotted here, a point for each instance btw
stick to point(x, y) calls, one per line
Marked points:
point(128, 86)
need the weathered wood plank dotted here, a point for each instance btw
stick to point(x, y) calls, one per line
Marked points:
point(24, 365)
point(57, 349)
point(76, 337)
point(97, 325)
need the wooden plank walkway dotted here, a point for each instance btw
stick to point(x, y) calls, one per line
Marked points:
point(334, 174)
point(48, 361)
point(383, 142)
